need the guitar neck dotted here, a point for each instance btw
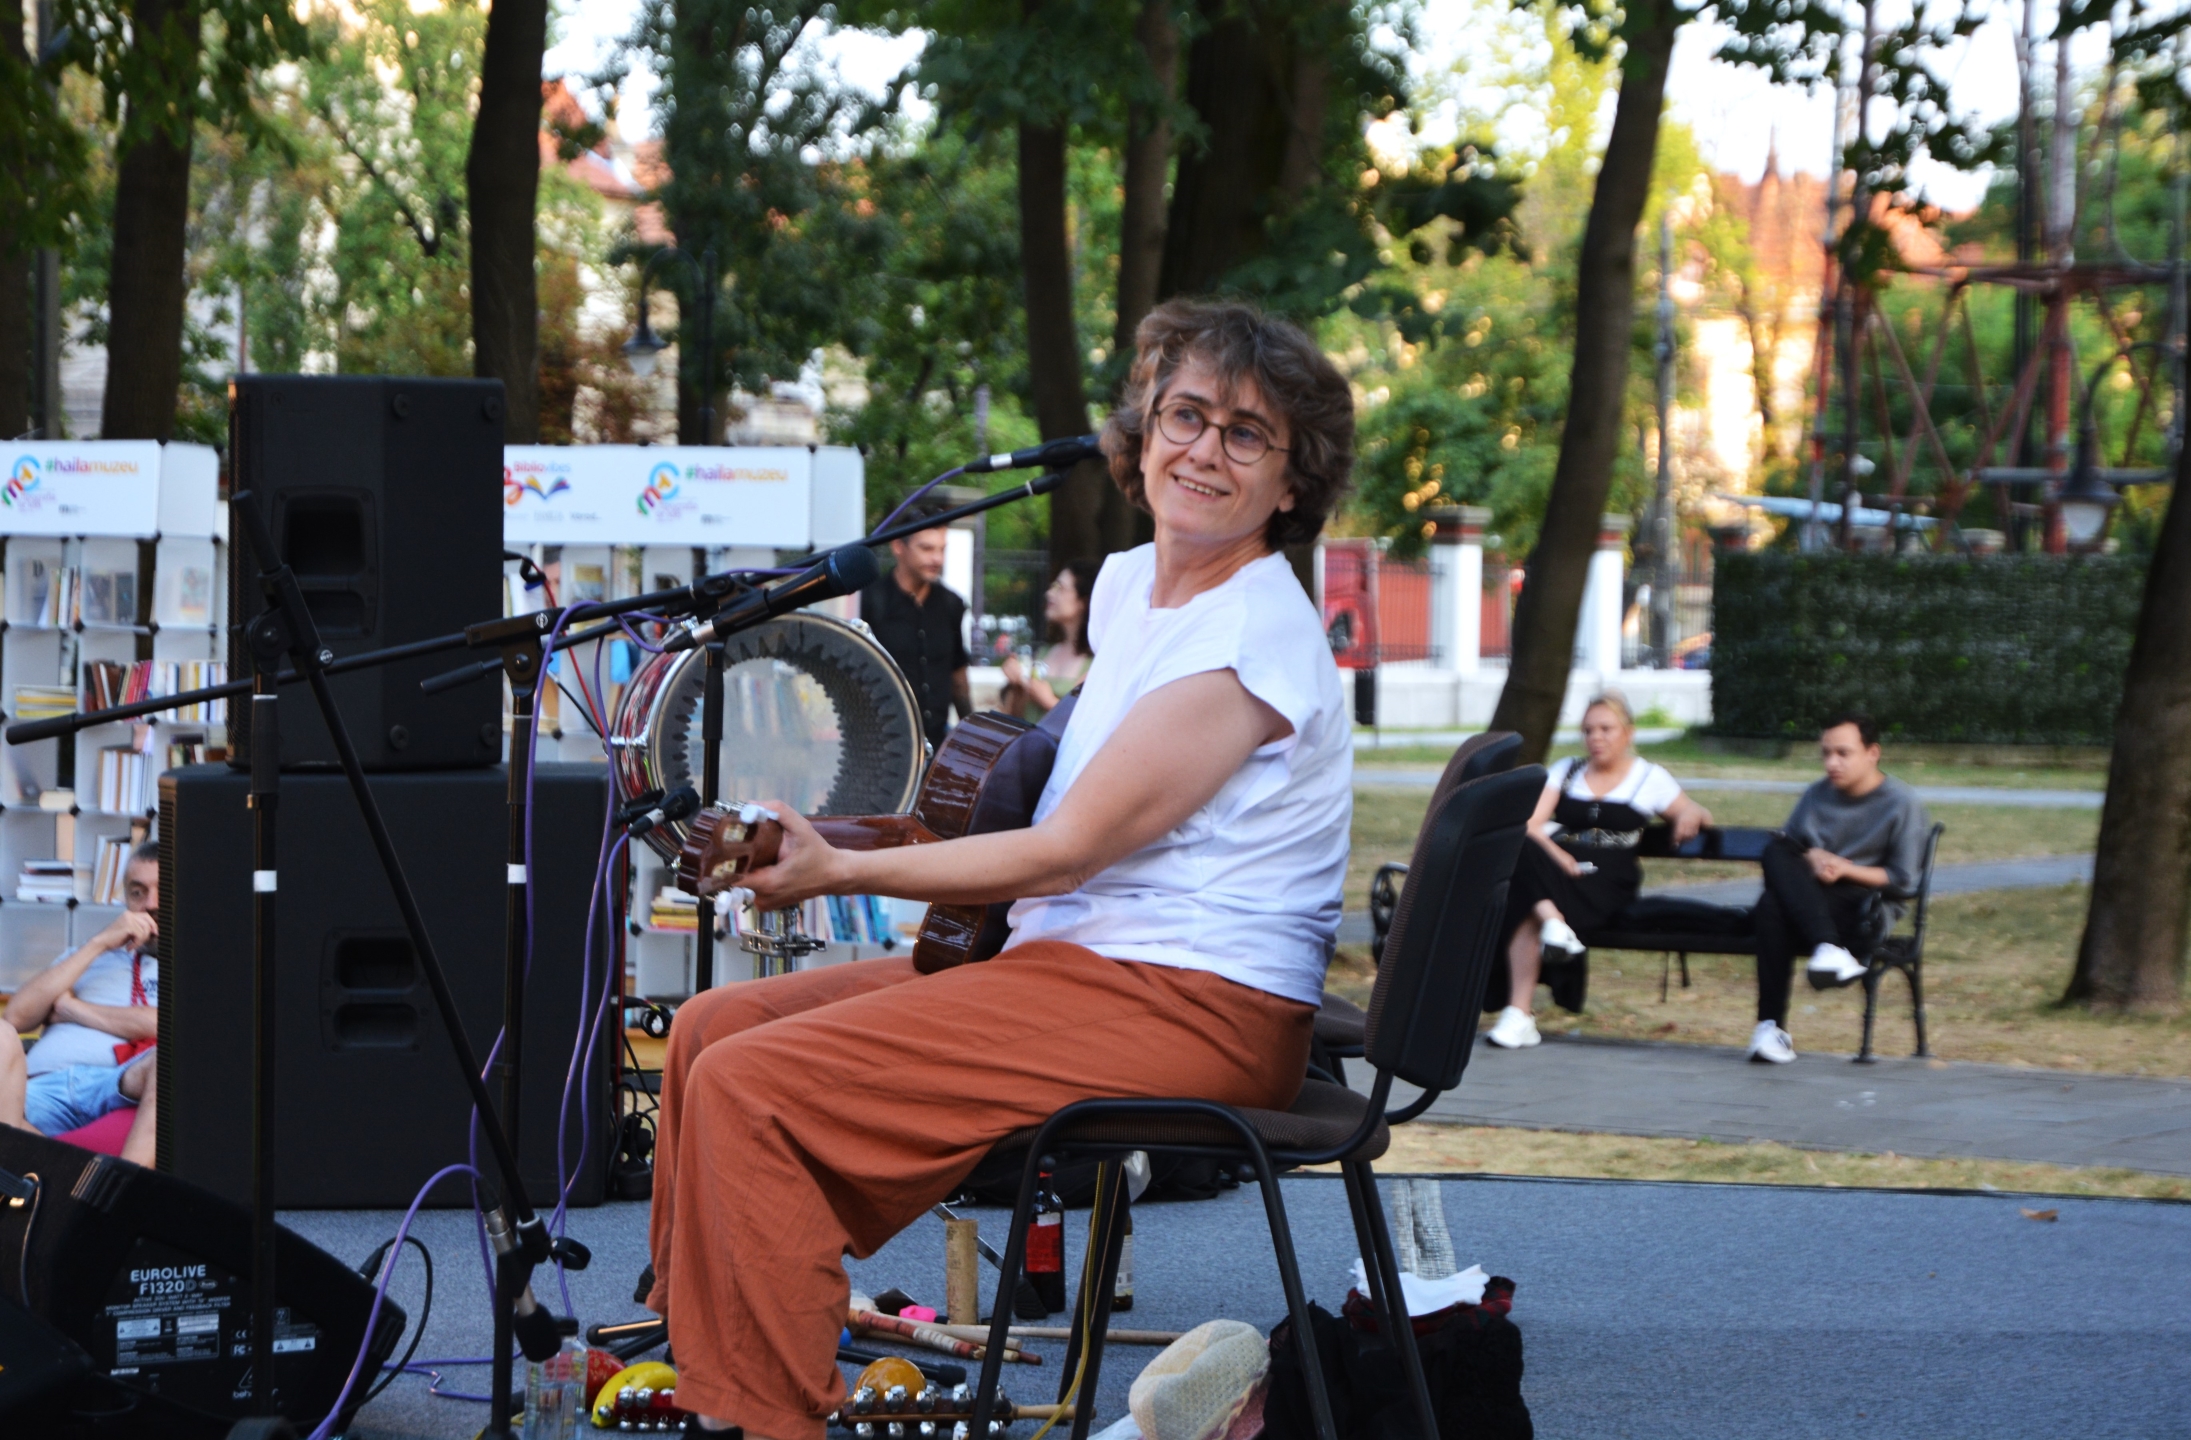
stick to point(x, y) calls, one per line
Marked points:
point(872, 832)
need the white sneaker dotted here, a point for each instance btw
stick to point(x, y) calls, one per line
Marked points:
point(1770, 1044)
point(1561, 936)
point(1832, 967)
point(1515, 1029)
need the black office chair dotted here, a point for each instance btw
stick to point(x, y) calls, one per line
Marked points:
point(1339, 1021)
point(1420, 1027)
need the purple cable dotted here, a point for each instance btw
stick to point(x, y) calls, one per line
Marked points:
point(380, 1295)
point(633, 635)
point(910, 500)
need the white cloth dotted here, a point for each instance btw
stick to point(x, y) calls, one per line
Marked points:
point(1648, 788)
point(1248, 886)
point(104, 982)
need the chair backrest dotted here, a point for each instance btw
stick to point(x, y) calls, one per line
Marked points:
point(1924, 884)
point(1478, 756)
point(1445, 930)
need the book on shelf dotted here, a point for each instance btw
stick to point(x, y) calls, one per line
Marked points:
point(43, 702)
point(47, 882)
point(674, 910)
point(125, 780)
point(109, 597)
point(111, 682)
point(48, 594)
point(193, 595)
point(108, 871)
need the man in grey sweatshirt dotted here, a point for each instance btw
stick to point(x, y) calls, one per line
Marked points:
point(1855, 838)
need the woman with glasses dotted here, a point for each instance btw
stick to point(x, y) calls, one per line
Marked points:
point(1177, 897)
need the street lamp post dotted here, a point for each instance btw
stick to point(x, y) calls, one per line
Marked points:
point(641, 351)
point(2087, 498)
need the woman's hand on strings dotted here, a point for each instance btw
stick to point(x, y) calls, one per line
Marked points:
point(806, 865)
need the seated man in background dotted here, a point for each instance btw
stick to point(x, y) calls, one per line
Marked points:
point(1855, 840)
point(99, 1009)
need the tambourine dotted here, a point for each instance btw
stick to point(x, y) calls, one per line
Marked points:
point(815, 714)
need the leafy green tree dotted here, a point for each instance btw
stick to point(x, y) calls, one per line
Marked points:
point(42, 197)
point(753, 131)
point(162, 65)
point(1803, 44)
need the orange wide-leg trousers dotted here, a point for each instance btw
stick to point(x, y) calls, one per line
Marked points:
point(811, 1116)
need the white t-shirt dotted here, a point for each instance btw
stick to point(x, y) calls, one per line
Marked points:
point(104, 982)
point(1647, 788)
point(1248, 886)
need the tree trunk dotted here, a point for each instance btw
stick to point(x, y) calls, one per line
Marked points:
point(1148, 166)
point(1080, 517)
point(1224, 187)
point(15, 328)
point(146, 288)
point(1544, 620)
point(502, 177)
point(15, 262)
point(2132, 953)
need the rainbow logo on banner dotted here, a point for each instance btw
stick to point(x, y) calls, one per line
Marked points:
point(514, 489)
point(22, 479)
point(661, 486)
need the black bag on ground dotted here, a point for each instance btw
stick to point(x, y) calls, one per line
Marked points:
point(1472, 1363)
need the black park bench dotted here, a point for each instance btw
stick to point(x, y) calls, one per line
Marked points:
point(1677, 925)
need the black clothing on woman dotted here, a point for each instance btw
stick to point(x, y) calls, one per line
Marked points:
point(1598, 832)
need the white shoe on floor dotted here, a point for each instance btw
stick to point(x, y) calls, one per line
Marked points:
point(1561, 936)
point(1515, 1029)
point(1770, 1044)
point(1832, 967)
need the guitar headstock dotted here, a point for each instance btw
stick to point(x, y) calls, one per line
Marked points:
point(723, 843)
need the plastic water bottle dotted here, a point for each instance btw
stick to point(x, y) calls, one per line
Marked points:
point(554, 1390)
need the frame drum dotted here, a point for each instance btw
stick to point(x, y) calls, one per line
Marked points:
point(815, 714)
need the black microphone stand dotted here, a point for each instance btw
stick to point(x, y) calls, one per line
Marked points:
point(286, 627)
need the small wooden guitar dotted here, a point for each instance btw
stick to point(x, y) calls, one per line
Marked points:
point(970, 788)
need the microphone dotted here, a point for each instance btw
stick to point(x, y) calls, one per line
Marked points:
point(1056, 455)
point(677, 805)
point(843, 571)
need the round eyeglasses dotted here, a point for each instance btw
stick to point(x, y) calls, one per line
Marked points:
point(1244, 444)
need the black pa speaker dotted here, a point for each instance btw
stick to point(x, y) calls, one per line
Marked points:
point(371, 1103)
point(385, 496)
point(140, 1288)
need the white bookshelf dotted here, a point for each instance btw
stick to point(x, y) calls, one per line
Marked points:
point(150, 585)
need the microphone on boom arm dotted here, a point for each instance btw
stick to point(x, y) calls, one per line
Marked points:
point(843, 571)
point(1056, 455)
point(680, 804)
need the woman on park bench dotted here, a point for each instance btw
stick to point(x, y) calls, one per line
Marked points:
point(1582, 870)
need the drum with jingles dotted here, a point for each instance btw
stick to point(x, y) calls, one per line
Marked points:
point(815, 714)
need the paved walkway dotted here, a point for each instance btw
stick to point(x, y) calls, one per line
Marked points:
point(1407, 777)
point(1822, 1101)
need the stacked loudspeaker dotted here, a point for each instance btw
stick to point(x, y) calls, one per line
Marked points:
point(385, 496)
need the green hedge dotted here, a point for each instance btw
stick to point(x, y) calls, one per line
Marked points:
point(2015, 650)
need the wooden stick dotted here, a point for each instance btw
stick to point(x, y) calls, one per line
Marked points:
point(980, 1333)
point(931, 1337)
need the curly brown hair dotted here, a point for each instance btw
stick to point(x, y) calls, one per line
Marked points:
point(1239, 342)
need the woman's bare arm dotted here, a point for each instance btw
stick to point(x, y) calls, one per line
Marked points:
point(1168, 758)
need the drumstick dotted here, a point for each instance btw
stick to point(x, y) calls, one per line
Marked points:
point(932, 1337)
